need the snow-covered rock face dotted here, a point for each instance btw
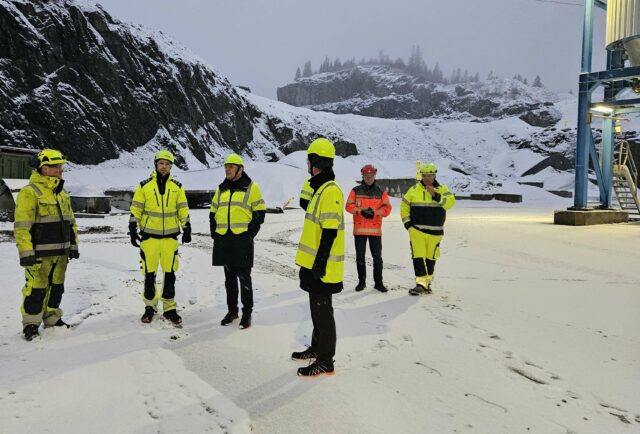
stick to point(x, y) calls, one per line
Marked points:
point(382, 91)
point(74, 78)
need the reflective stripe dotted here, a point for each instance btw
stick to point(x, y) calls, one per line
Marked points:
point(447, 194)
point(426, 204)
point(405, 201)
point(367, 230)
point(242, 205)
point(406, 219)
point(257, 202)
point(182, 205)
point(134, 219)
point(246, 196)
point(329, 216)
point(36, 189)
point(160, 232)
point(433, 228)
point(49, 219)
point(137, 204)
point(239, 225)
point(74, 247)
point(26, 253)
point(159, 214)
point(313, 252)
point(22, 224)
point(54, 246)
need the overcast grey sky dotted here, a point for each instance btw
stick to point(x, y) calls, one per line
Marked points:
point(260, 43)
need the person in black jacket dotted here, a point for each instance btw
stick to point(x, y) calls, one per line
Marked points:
point(237, 212)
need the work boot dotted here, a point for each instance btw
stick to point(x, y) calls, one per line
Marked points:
point(245, 321)
point(360, 286)
point(380, 287)
point(228, 318)
point(30, 331)
point(316, 368)
point(304, 355)
point(419, 289)
point(172, 315)
point(148, 314)
point(61, 323)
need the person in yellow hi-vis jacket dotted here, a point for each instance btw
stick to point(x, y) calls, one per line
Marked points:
point(237, 212)
point(423, 211)
point(321, 257)
point(306, 193)
point(159, 210)
point(47, 237)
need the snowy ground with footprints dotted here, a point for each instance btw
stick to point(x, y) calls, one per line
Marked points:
point(531, 327)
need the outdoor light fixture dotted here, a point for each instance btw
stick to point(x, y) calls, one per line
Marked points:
point(602, 109)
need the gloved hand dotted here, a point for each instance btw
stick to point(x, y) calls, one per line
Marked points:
point(367, 213)
point(28, 261)
point(186, 234)
point(212, 225)
point(319, 268)
point(133, 233)
point(436, 196)
point(408, 224)
point(74, 254)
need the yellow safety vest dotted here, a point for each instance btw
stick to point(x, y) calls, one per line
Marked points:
point(44, 222)
point(235, 210)
point(160, 214)
point(324, 212)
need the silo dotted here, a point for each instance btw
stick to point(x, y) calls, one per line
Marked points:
point(623, 27)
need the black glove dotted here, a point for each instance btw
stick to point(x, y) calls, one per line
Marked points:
point(319, 268)
point(367, 213)
point(186, 234)
point(408, 224)
point(436, 196)
point(28, 261)
point(74, 254)
point(133, 233)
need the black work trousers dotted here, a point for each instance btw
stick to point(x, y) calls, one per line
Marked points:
point(231, 277)
point(323, 339)
point(375, 246)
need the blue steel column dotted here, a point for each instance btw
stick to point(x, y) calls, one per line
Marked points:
point(608, 140)
point(584, 101)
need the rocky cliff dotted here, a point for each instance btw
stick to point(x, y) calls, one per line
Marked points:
point(385, 92)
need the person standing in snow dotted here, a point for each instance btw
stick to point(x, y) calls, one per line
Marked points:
point(423, 211)
point(160, 209)
point(237, 212)
point(47, 238)
point(369, 204)
point(320, 256)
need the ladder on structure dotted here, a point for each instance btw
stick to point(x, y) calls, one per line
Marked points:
point(625, 181)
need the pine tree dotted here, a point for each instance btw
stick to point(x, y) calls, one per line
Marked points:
point(490, 76)
point(337, 65)
point(537, 82)
point(525, 81)
point(307, 72)
point(298, 74)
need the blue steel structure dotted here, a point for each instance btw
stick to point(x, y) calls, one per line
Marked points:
point(614, 79)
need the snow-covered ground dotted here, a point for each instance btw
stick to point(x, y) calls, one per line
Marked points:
point(531, 327)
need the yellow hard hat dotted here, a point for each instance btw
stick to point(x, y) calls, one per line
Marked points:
point(234, 159)
point(427, 169)
point(48, 157)
point(322, 148)
point(163, 155)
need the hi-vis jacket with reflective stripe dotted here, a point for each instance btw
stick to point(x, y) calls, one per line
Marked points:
point(44, 222)
point(160, 215)
point(363, 196)
point(325, 211)
point(234, 208)
point(426, 214)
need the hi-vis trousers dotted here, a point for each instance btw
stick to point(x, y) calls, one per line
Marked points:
point(163, 251)
point(425, 250)
point(43, 291)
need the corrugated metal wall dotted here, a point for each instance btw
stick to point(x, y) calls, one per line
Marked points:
point(623, 20)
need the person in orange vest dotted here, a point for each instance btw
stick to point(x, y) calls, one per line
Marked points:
point(369, 204)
